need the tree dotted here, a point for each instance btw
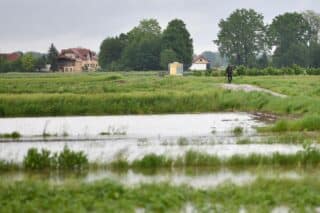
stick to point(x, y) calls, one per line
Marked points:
point(242, 37)
point(110, 51)
point(313, 20)
point(53, 58)
point(263, 61)
point(177, 38)
point(28, 62)
point(142, 51)
point(167, 56)
point(40, 62)
point(290, 32)
point(147, 27)
point(142, 54)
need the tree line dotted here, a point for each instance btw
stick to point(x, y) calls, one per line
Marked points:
point(243, 39)
point(147, 47)
point(291, 39)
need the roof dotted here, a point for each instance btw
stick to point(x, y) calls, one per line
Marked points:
point(200, 60)
point(11, 57)
point(80, 53)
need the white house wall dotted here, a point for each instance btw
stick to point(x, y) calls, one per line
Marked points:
point(198, 67)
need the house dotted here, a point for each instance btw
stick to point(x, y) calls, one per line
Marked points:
point(77, 60)
point(176, 68)
point(11, 57)
point(200, 63)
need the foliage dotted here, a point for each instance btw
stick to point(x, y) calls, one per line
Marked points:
point(111, 50)
point(242, 36)
point(177, 38)
point(53, 54)
point(66, 159)
point(28, 62)
point(167, 56)
point(290, 34)
point(142, 54)
point(313, 20)
point(13, 135)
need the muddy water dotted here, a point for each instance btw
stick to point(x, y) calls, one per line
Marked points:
point(136, 136)
point(193, 177)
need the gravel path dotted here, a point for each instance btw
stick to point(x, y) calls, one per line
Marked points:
point(251, 88)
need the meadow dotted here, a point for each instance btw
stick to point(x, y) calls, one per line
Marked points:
point(57, 94)
point(147, 93)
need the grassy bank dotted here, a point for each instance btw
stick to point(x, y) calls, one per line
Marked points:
point(146, 93)
point(105, 196)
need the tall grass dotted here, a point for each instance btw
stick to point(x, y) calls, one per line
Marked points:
point(98, 94)
point(307, 123)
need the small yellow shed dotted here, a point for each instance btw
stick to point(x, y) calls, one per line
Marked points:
point(176, 68)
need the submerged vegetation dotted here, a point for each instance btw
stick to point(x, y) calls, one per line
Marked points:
point(44, 159)
point(13, 135)
point(261, 196)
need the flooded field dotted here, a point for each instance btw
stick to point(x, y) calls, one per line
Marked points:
point(198, 178)
point(104, 138)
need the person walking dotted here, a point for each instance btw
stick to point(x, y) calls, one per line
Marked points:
point(229, 72)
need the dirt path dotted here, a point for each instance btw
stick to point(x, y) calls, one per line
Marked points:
point(251, 88)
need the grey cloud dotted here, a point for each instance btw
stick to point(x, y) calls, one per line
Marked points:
point(33, 24)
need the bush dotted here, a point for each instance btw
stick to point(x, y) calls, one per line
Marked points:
point(38, 160)
point(67, 159)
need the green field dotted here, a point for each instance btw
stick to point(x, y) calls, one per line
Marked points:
point(147, 93)
point(56, 94)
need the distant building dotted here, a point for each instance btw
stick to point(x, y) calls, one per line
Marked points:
point(200, 63)
point(176, 68)
point(11, 57)
point(77, 60)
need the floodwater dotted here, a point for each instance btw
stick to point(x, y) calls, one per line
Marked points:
point(133, 137)
point(200, 178)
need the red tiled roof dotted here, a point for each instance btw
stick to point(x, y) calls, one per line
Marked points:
point(11, 57)
point(80, 53)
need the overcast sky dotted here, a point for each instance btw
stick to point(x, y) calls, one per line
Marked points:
point(33, 24)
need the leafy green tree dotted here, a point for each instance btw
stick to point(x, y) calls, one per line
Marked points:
point(142, 51)
point(167, 56)
point(313, 20)
point(28, 62)
point(110, 51)
point(242, 36)
point(177, 38)
point(53, 57)
point(263, 61)
point(142, 54)
point(290, 32)
point(147, 27)
point(40, 62)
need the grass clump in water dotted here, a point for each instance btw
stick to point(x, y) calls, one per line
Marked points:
point(152, 161)
point(44, 159)
point(13, 135)
point(237, 131)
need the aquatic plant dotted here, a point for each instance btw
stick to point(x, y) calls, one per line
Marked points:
point(237, 131)
point(13, 135)
point(44, 159)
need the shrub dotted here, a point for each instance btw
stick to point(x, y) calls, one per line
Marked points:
point(37, 160)
point(68, 159)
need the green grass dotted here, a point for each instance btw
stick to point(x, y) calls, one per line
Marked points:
point(106, 196)
point(13, 135)
point(146, 93)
